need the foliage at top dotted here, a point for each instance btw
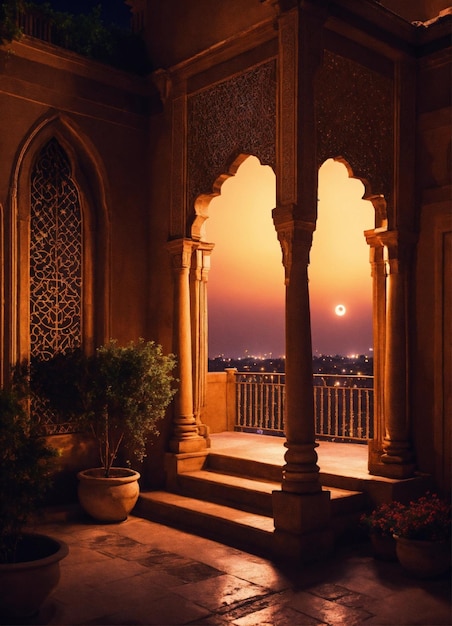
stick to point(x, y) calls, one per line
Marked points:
point(85, 34)
point(119, 394)
point(9, 27)
point(26, 463)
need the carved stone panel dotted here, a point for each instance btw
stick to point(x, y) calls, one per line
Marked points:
point(355, 120)
point(236, 116)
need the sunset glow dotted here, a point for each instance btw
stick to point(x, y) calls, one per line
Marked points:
point(339, 270)
point(246, 281)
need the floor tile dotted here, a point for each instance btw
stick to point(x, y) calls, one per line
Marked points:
point(328, 611)
point(219, 593)
point(141, 573)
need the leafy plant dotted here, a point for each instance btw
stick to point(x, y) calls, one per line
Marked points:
point(26, 462)
point(9, 25)
point(427, 518)
point(119, 394)
point(83, 33)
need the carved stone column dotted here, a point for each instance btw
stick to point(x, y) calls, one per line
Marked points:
point(185, 436)
point(397, 457)
point(300, 473)
point(200, 337)
point(301, 508)
point(378, 272)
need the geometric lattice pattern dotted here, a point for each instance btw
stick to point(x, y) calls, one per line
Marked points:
point(236, 116)
point(354, 109)
point(55, 261)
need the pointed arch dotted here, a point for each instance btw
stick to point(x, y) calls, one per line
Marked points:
point(87, 174)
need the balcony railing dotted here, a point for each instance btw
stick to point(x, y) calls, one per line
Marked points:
point(35, 23)
point(343, 405)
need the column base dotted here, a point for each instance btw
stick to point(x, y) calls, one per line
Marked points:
point(190, 444)
point(390, 464)
point(374, 450)
point(176, 464)
point(204, 432)
point(306, 548)
point(390, 468)
point(302, 525)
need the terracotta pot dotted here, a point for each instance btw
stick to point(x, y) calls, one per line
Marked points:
point(108, 499)
point(423, 559)
point(25, 585)
point(384, 547)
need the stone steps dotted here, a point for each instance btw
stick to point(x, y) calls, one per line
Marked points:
point(229, 525)
point(230, 500)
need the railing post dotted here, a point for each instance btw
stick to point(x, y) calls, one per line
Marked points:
point(231, 398)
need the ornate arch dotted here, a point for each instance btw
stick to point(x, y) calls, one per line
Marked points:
point(234, 117)
point(85, 173)
point(202, 202)
point(355, 125)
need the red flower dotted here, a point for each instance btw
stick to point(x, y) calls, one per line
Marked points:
point(382, 520)
point(427, 518)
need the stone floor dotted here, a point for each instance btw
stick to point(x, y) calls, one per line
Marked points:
point(139, 572)
point(345, 459)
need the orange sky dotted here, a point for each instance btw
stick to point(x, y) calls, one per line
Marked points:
point(246, 281)
point(339, 270)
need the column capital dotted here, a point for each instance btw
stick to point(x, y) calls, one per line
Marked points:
point(203, 253)
point(396, 241)
point(284, 218)
point(163, 81)
point(294, 235)
point(398, 247)
point(181, 251)
point(376, 253)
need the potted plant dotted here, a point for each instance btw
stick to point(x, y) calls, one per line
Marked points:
point(380, 526)
point(29, 562)
point(118, 395)
point(422, 530)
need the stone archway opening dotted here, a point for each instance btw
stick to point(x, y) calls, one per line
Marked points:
point(340, 290)
point(246, 280)
point(339, 271)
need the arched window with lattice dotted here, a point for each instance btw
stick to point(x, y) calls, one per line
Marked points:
point(55, 254)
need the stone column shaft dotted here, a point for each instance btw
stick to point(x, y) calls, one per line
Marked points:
point(301, 509)
point(200, 336)
point(378, 272)
point(397, 448)
point(300, 474)
point(185, 432)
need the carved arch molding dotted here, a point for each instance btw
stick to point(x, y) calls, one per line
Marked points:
point(237, 116)
point(354, 110)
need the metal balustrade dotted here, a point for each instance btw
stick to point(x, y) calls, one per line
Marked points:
point(343, 405)
point(34, 23)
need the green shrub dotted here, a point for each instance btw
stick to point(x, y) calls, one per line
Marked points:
point(26, 463)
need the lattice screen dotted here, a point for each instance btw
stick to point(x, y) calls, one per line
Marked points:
point(55, 261)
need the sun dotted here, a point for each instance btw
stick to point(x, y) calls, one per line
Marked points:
point(340, 310)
